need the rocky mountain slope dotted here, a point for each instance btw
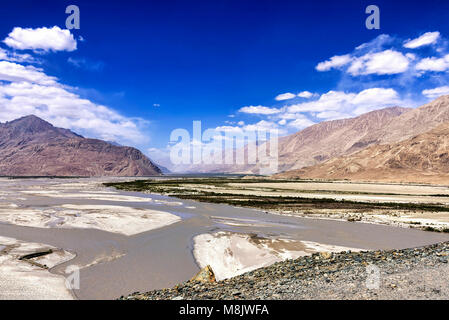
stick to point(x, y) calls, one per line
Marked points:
point(332, 139)
point(320, 142)
point(423, 158)
point(415, 122)
point(30, 146)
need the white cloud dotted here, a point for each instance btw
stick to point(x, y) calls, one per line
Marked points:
point(381, 63)
point(285, 96)
point(436, 92)
point(384, 55)
point(264, 125)
point(41, 39)
point(259, 110)
point(26, 90)
point(301, 122)
point(332, 115)
point(338, 104)
point(434, 64)
point(261, 126)
point(288, 95)
point(375, 98)
point(305, 94)
point(334, 62)
point(332, 100)
point(68, 110)
point(371, 58)
point(14, 72)
point(329, 106)
point(3, 54)
point(424, 40)
point(229, 129)
point(290, 115)
point(16, 57)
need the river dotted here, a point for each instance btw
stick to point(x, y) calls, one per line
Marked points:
point(115, 264)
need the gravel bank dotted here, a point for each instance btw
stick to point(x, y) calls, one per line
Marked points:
point(417, 273)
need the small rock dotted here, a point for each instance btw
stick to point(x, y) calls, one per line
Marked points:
point(205, 275)
point(325, 255)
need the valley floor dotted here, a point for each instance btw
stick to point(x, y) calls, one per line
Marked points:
point(417, 273)
point(235, 225)
point(405, 205)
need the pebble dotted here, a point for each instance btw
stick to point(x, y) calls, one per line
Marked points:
point(318, 277)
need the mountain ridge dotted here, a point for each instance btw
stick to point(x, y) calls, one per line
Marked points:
point(414, 149)
point(421, 159)
point(319, 142)
point(31, 146)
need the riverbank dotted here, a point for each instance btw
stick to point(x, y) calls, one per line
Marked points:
point(417, 273)
point(231, 254)
point(424, 207)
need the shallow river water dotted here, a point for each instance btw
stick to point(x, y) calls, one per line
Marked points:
point(116, 264)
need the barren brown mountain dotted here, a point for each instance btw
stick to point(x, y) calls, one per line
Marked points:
point(30, 146)
point(413, 122)
point(408, 125)
point(330, 139)
point(321, 142)
point(423, 158)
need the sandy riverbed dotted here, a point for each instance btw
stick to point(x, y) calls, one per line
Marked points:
point(20, 279)
point(232, 254)
point(118, 219)
point(129, 241)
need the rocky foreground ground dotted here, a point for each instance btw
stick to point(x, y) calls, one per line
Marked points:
point(417, 273)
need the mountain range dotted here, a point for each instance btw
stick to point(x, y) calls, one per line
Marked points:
point(413, 147)
point(319, 142)
point(391, 144)
point(30, 146)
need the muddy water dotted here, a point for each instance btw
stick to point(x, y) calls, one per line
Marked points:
point(116, 264)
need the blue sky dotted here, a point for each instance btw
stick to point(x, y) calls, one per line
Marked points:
point(136, 70)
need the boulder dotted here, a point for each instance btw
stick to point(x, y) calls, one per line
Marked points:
point(205, 275)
